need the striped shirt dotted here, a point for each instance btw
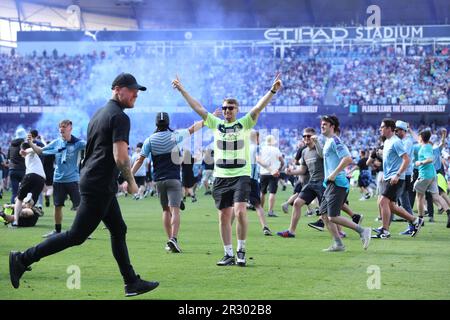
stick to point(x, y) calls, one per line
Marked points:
point(163, 147)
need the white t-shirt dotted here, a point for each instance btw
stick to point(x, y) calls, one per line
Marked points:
point(270, 157)
point(33, 163)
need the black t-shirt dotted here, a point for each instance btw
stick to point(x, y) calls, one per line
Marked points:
point(298, 154)
point(362, 164)
point(99, 172)
point(16, 161)
point(375, 156)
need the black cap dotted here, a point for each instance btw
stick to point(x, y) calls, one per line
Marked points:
point(162, 119)
point(127, 80)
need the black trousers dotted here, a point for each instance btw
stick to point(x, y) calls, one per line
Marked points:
point(93, 209)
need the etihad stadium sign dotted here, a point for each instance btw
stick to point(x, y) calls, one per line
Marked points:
point(308, 34)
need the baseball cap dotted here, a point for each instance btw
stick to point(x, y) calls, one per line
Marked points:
point(162, 118)
point(127, 80)
point(401, 125)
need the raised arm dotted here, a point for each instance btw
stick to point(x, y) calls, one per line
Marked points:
point(120, 151)
point(35, 148)
point(443, 137)
point(264, 101)
point(194, 104)
point(196, 126)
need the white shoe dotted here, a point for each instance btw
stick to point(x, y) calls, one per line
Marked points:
point(334, 248)
point(285, 207)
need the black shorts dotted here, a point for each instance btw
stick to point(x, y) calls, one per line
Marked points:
point(312, 191)
point(392, 192)
point(140, 181)
point(332, 200)
point(255, 193)
point(62, 189)
point(188, 181)
point(298, 187)
point(269, 182)
point(227, 191)
point(33, 183)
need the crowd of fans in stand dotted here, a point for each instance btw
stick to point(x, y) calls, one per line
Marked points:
point(357, 75)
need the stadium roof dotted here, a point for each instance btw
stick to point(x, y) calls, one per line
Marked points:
point(260, 13)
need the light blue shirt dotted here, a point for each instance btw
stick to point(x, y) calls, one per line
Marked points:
point(393, 151)
point(437, 158)
point(333, 153)
point(408, 142)
point(66, 158)
point(426, 171)
point(254, 151)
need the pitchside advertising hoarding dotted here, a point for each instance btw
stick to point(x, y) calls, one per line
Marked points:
point(338, 110)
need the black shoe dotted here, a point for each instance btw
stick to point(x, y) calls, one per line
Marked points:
point(318, 225)
point(173, 245)
point(267, 231)
point(139, 287)
point(441, 211)
point(240, 261)
point(357, 218)
point(16, 268)
point(284, 188)
point(194, 199)
point(417, 227)
point(226, 261)
point(182, 206)
point(207, 193)
point(47, 201)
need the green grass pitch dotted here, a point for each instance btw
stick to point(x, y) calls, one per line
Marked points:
point(278, 268)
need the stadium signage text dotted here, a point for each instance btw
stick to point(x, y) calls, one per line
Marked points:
point(403, 109)
point(360, 33)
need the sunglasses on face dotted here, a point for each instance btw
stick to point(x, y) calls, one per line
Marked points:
point(229, 108)
point(307, 136)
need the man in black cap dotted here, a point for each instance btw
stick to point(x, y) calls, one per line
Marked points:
point(163, 146)
point(106, 155)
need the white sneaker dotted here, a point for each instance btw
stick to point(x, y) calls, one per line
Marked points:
point(334, 248)
point(365, 237)
point(285, 207)
point(240, 261)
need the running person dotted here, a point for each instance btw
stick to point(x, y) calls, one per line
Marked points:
point(232, 167)
point(311, 161)
point(271, 162)
point(255, 193)
point(336, 157)
point(395, 163)
point(163, 146)
point(427, 180)
point(66, 175)
point(139, 175)
point(106, 155)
